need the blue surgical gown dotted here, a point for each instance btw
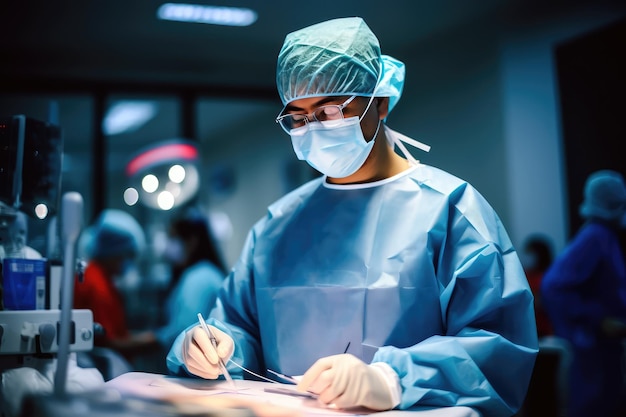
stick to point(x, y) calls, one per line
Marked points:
point(416, 271)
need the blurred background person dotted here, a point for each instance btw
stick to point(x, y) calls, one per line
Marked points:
point(14, 238)
point(197, 274)
point(198, 271)
point(14, 242)
point(584, 293)
point(536, 257)
point(546, 392)
point(112, 246)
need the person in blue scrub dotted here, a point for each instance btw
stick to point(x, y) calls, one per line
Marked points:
point(198, 272)
point(385, 283)
point(584, 293)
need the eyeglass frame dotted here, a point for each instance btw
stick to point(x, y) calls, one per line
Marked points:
point(307, 119)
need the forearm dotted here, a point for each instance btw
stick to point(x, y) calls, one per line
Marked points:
point(446, 371)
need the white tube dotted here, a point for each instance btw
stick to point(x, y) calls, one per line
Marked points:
point(71, 223)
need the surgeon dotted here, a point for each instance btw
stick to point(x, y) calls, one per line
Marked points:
point(385, 283)
point(584, 292)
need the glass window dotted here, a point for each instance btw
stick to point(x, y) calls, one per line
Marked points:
point(248, 162)
point(131, 124)
point(74, 115)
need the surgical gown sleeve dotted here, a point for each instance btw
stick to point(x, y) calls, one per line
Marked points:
point(241, 317)
point(485, 356)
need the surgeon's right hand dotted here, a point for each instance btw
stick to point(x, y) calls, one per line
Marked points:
point(199, 355)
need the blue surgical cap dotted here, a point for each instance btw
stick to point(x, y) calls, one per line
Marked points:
point(115, 233)
point(339, 57)
point(605, 196)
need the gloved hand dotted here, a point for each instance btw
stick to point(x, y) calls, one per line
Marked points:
point(199, 355)
point(346, 381)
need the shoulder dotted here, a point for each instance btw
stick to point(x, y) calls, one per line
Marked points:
point(202, 270)
point(462, 201)
point(595, 236)
point(437, 179)
point(96, 284)
point(94, 275)
point(444, 185)
point(200, 277)
point(295, 196)
point(288, 203)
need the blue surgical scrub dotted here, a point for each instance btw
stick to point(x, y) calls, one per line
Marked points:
point(195, 292)
point(585, 284)
point(416, 271)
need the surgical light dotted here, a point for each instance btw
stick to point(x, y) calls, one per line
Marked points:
point(176, 174)
point(131, 196)
point(214, 15)
point(160, 153)
point(165, 174)
point(150, 183)
point(173, 188)
point(166, 200)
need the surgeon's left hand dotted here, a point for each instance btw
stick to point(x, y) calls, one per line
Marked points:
point(346, 381)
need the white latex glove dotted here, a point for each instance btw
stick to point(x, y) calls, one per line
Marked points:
point(345, 381)
point(199, 355)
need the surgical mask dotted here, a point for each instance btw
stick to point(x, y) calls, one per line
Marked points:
point(336, 148)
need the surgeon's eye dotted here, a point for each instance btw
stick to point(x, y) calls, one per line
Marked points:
point(297, 120)
point(331, 112)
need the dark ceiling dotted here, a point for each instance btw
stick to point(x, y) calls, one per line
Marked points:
point(67, 44)
point(100, 48)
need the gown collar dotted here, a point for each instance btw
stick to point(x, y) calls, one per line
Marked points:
point(413, 166)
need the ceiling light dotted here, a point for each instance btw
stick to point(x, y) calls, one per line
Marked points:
point(127, 116)
point(214, 15)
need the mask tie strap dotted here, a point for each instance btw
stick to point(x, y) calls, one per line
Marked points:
point(397, 138)
point(369, 103)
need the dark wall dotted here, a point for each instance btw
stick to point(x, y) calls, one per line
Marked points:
point(591, 71)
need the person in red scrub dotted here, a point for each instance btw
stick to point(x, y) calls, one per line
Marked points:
point(114, 243)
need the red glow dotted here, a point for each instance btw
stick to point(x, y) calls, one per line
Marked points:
point(163, 153)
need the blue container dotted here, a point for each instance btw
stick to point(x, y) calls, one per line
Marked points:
point(24, 284)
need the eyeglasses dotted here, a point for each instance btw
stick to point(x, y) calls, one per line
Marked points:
point(321, 114)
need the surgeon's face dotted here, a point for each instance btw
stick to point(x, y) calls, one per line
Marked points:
point(369, 123)
point(379, 163)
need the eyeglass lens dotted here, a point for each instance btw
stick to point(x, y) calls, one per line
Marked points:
point(321, 114)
